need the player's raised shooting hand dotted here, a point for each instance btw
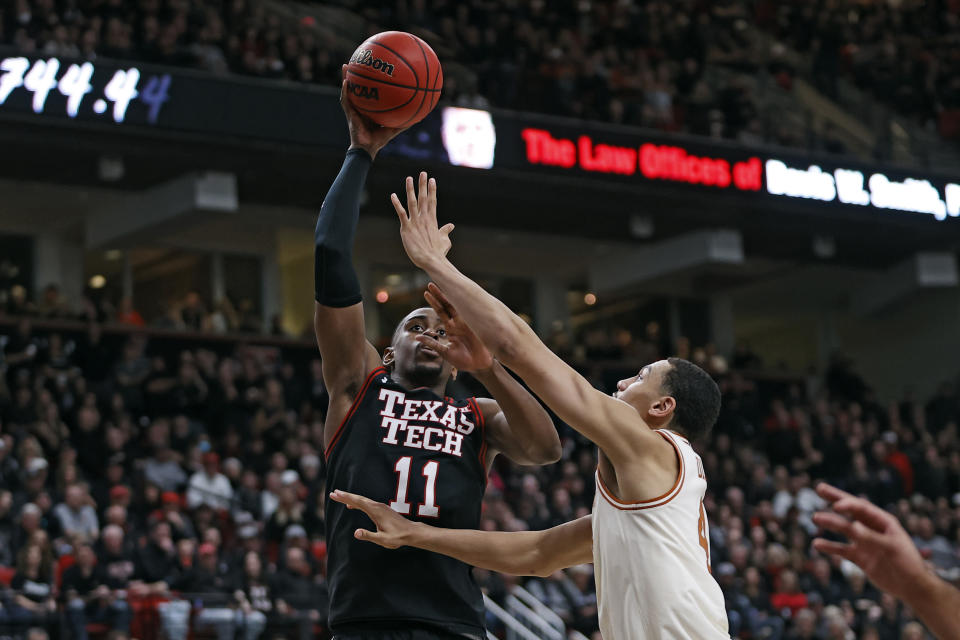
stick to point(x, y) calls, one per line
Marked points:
point(364, 132)
point(462, 349)
point(392, 529)
point(423, 240)
point(876, 542)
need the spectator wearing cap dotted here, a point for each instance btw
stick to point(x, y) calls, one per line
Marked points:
point(210, 487)
point(115, 477)
point(78, 519)
point(31, 521)
point(248, 539)
point(89, 598)
point(34, 479)
point(32, 585)
point(119, 496)
point(310, 477)
point(290, 511)
point(171, 512)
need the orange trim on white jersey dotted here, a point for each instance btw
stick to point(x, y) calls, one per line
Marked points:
point(655, 502)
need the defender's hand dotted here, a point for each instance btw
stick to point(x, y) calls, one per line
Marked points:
point(423, 240)
point(876, 541)
point(364, 132)
point(463, 349)
point(393, 530)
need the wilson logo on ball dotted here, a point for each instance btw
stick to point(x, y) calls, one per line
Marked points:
point(365, 57)
point(361, 91)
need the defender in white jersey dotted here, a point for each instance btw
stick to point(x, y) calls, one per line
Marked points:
point(657, 551)
point(648, 533)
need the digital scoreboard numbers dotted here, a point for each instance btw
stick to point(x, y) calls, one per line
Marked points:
point(84, 90)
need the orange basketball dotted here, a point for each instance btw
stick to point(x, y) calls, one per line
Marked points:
point(394, 78)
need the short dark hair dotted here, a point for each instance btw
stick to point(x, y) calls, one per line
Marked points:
point(697, 396)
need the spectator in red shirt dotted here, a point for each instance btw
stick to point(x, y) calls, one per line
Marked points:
point(787, 595)
point(126, 314)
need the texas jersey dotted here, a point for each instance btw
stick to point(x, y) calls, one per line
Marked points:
point(424, 456)
point(652, 560)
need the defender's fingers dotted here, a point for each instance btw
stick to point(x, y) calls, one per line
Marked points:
point(833, 548)
point(365, 534)
point(352, 500)
point(436, 305)
point(830, 493)
point(870, 515)
point(401, 212)
point(833, 522)
point(441, 297)
point(432, 198)
point(412, 207)
point(432, 343)
point(447, 229)
point(422, 195)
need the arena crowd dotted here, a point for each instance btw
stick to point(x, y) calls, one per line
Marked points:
point(677, 66)
point(150, 489)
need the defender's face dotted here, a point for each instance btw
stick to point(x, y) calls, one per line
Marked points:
point(644, 389)
point(411, 357)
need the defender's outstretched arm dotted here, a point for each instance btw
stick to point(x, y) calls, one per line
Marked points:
point(608, 422)
point(522, 553)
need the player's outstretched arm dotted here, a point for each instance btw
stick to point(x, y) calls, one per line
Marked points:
point(610, 423)
point(882, 548)
point(338, 313)
point(521, 553)
point(515, 423)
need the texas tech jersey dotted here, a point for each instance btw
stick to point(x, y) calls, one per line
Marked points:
point(424, 456)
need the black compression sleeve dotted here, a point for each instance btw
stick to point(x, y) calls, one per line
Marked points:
point(335, 280)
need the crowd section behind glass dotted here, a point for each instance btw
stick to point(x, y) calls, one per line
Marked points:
point(169, 484)
point(685, 65)
point(191, 313)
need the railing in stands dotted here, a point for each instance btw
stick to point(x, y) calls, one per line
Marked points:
point(533, 621)
point(538, 607)
point(515, 629)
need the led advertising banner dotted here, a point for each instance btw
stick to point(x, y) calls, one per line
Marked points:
point(132, 98)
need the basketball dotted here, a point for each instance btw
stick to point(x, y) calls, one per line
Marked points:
point(394, 78)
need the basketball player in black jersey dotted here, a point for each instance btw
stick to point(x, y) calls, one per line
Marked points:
point(393, 435)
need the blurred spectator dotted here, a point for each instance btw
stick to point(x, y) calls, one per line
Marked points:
point(89, 598)
point(299, 599)
point(126, 314)
point(140, 430)
point(209, 486)
point(78, 519)
point(208, 583)
point(33, 602)
point(253, 596)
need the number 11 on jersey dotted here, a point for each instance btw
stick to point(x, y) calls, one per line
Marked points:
point(428, 508)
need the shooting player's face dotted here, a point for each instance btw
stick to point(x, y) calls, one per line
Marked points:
point(413, 360)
